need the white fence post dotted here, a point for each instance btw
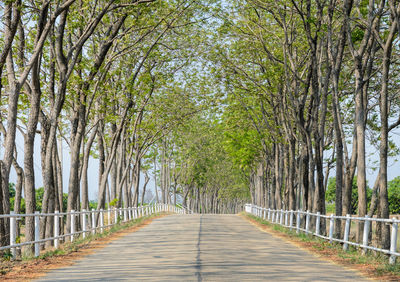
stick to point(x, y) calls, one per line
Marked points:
point(56, 229)
point(291, 220)
point(269, 214)
point(366, 233)
point(37, 233)
point(129, 213)
point(84, 223)
point(13, 233)
point(298, 222)
point(307, 221)
point(115, 215)
point(318, 224)
point(93, 222)
point(281, 218)
point(72, 225)
point(286, 218)
point(346, 233)
point(125, 214)
point(393, 242)
point(101, 220)
point(331, 226)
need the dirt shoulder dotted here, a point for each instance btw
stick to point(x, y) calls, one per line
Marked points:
point(371, 266)
point(30, 269)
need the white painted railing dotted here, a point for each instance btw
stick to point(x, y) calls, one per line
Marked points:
point(295, 219)
point(114, 216)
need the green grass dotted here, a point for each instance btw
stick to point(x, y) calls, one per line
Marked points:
point(353, 255)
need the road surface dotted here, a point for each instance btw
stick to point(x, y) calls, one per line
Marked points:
point(201, 248)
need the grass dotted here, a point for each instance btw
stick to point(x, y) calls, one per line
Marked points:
point(373, 263)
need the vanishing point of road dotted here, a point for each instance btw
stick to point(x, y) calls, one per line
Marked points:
point(201, 248)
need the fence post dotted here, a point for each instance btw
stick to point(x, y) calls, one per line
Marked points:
point(366, 233)
point(346, 233)
point(298, 222)
point(307, 221)
point(281, 218)
point(84, 223)
point(101, 220)
point(93, 222)
point(37, 233)
point(393, 241)
point(125, 215)
point(331, 226)
point(56, 229)
point(318, 224)
point(13, 233)
point(129, 214)
point(291, 220)
point(115, 215)
point(269, 214)
point(72, 225)
point(286, 218)
point(109, 216)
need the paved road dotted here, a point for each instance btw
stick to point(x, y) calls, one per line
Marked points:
point(201, 248)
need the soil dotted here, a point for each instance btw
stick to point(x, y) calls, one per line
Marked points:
point(36, 268)
point(329, 254)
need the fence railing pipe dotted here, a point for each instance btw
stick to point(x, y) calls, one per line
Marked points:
point(393, 242)
point(37, 233)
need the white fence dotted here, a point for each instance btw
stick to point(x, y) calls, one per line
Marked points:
point(114, 216)
point(295, 219)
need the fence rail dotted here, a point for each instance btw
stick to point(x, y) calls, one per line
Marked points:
point(310, 223)
point(86, 225)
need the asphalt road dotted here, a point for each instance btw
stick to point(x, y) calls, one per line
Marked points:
point(201, 248)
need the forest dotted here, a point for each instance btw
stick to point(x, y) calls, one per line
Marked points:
point(285, 104)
